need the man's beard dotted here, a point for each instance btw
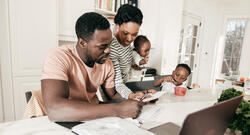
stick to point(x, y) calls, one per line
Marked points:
point(102, 60)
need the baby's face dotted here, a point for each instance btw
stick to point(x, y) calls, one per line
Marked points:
point(144, 49)
point(180, 75)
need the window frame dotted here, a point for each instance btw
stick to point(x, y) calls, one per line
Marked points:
point(221, 50)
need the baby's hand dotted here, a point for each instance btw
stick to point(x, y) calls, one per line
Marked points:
point(168, 79)
point(146, 59)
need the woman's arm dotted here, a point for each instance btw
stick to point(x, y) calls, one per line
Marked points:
point(120, 87)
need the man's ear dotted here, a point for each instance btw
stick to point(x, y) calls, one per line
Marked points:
point(82, 42)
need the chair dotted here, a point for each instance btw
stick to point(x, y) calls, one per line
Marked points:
point(35, 106)
point(28, 95)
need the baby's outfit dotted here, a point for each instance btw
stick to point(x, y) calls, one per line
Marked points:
point(169, 87)
point(137, 58)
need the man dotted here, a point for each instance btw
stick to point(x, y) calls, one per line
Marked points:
point(72, 75)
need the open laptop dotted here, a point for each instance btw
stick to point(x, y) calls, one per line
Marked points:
point(209, 121)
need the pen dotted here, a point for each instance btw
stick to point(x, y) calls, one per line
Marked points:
point(145, 95)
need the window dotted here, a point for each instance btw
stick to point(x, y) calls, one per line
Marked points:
point(235, 31)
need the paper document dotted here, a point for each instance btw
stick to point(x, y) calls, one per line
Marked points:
point(148, 78)
point(109, 126)
point(147, 114)
point(154, 96)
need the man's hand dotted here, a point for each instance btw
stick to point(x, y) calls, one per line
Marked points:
point(129, 108)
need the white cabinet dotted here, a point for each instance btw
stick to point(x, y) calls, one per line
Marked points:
point(69, 12)
point(162, 25)
point(32, 32)
point(1, 103)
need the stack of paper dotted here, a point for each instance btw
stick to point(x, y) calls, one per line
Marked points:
point(154, 96)
point(109, 126)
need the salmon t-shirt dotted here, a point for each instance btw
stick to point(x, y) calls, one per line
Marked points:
point(64, 63)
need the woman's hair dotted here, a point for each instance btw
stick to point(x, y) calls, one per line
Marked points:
point(128, 13)
point(139, 41)
point(88, 23)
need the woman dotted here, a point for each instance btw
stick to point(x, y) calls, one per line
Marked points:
point(128, 21)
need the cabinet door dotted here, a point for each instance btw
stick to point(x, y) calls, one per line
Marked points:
point(189, 45)
point(69, 12)
point(1, 104)
point(33, 32)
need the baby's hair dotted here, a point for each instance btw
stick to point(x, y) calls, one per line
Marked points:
point(184, 66)
point(139, 41)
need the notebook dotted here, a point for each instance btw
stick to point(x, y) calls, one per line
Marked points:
point(209, 121)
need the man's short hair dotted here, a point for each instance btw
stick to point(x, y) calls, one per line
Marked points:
point(140, 40)
point(184, 66)
point(88, 23)
point(128, 13)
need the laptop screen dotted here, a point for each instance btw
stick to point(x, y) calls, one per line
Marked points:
point(212, 120)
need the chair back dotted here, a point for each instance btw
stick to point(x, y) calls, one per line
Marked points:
point(28, 95)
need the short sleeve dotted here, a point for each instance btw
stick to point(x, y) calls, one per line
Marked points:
point(109, 81)
point(55, 66)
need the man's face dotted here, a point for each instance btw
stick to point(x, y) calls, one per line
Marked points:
point(127, 32)
point(98, 46)
point(180, 75)
point(144, 49)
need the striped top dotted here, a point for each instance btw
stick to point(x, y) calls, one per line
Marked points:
point(122, 59)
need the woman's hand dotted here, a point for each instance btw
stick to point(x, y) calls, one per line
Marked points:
point(137, 95)
point(140, 94)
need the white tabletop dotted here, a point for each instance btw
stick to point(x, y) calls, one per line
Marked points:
point(173, 109)
point(176, 108)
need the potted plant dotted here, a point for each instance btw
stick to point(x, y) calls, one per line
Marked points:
point(241, 119)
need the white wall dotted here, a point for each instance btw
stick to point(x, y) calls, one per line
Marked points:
point(1, 102)
point(29, 30)
point(1, 99)
point(1, 41)
point(171, 21)
point(5, 59)
point(211, 14)
point(149, 28)
point(240, 8)
point(214, 13)
point(162, 24)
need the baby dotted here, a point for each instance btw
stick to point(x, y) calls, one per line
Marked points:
point(140, 53)
point(178, 77)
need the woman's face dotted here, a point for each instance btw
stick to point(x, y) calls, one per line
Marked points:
point(127, 32)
